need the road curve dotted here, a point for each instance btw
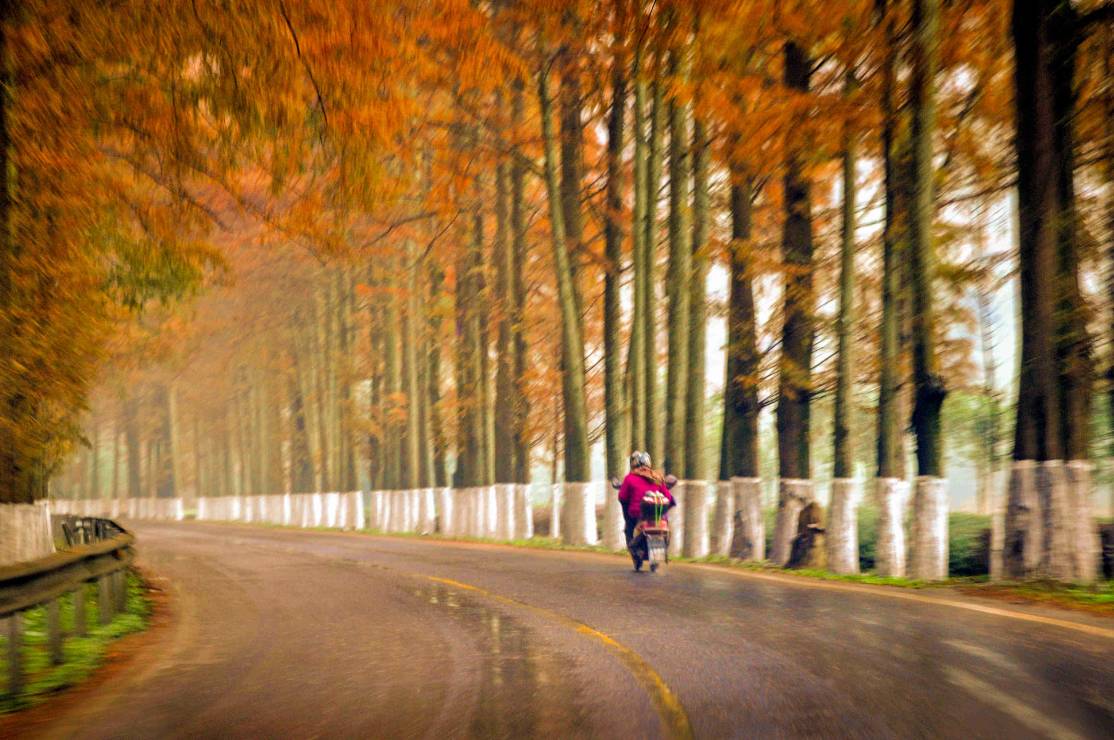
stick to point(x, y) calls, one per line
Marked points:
point(281, 633)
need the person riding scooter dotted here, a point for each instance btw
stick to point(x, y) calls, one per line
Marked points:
point(641, 480)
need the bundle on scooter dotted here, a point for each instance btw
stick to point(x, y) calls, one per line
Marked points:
point(651, 536)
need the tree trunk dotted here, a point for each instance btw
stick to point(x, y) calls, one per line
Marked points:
point(636, 361)
point(376, 391)
point(795, 367)
point(1109, 159)
point(990, 432)
point(243, 489)
point(95, 460)
point(518, 301)
point(679, 274)
point(197, 456)
point(1047, 528)
point(655, 437)
point(844, 452)
point(695, 462)
point(411, 334)
point(505, 395)
point(1073, 341)
point(573, 380)
point(487, 401)
point(301, 462)
point(13, 463)
point(928, 383)
point(260, 449)
point(470, 462)
point(346, 466)
point(116, 457)
point(424, 340)
point(166, 476)
point(131, 435)
point(394, 429)
point(890, 450)
point(928, 554)
point(436, 429)
point(571, 135)
point(319, 365)
point(334, 371)
point(739, 451)
point(303, 378)
point(615, 419)
point(228, 450)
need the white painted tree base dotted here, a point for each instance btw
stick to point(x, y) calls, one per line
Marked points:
point(556, 507)
point(841, 533)
point(578, 515)
point(1086, 544)
point(928, 553)
point(722, 513)
point(890, 495)
point(25, 532)
point(1050, 531)
point(612, 534)
point(696, 519)
point(793, 495)
point(446, 505)
point(748, 538)
point(677, 519)
point(523, 512)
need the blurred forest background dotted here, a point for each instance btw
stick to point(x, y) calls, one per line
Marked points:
point(322, 246)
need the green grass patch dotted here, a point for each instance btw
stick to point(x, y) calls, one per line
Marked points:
point(82, 654)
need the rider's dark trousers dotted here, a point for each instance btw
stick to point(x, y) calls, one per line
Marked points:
point(629, 523)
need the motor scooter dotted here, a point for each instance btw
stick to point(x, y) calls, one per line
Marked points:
point(650, 542)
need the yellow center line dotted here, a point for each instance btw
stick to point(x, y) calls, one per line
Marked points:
point(674, 720)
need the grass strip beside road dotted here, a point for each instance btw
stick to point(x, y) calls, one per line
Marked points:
point(83, 655)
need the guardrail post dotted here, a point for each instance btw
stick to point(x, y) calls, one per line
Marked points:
point(54, 631)
point(104, 599)
point(80, 627)
point(121, 591)
point(15, 659)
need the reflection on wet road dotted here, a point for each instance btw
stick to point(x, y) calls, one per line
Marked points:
point(303, 634)
point(513, 666)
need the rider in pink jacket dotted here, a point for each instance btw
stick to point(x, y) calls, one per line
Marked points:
point(641, 479)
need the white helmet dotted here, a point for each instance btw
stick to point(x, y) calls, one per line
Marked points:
point(639, 459)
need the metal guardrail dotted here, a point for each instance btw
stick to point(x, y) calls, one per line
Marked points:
point(85, 530)
point(100, 551)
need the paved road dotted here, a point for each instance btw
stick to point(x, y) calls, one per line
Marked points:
point(307, 634)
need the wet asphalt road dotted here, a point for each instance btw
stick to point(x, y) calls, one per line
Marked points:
point(309, 634)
